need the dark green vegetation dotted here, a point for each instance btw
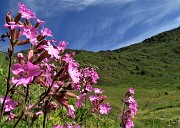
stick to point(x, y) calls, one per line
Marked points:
point(152, 67)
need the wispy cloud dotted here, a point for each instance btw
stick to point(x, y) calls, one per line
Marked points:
point(105, 24)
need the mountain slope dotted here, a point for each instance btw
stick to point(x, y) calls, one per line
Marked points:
point(153, 62)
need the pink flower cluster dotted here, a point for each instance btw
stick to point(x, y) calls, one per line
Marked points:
point(47, 65)
point(97, 102)
point(9, 104)
point(130, 109)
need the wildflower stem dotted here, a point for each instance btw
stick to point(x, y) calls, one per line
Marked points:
point(97, 122)
point(46, 93)
point(85, 104)
point(22, 113)
point(8, 81)
point(44, 120)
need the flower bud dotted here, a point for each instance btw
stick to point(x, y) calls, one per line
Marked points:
point(51, 106)
point(27, 22)
point(8, 17)
point(21, 58)
point(23, 42)
point(70, 94)
point(39, 80)
point(31, 55)
point(17, 18)
point(62, 100)
point(41, 57)
point(64, 77)
point(36, 115)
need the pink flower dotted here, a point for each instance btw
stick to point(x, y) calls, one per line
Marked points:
point(104, 108)
point(25, 74)
point(11, 116)
point(71, 111)
point(20, 55)
point(98, 91)
point(94, 75)
point(40, 21)
point(76, 86)
point(131, 90)
point(130, 100)
point(93, 98)
point(12, 25)
point(74, 73)
point(89, 87)
point(51, 50)
point(46, 32)
point(31, 33)
point(130, 109)
point(39, 113)
point(133, 109)
point(68, 59)
point(9, 104)
point(51, 106)
point(90, 75)
point(80, 99)
point(69, 126)
point(58, 126)
point(129, 123)
point(26, 13)
point(62, 45)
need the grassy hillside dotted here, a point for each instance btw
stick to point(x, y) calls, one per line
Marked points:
point(152, 67)
point(153, 62)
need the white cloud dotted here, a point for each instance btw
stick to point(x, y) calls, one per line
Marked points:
point(149, 33)
point(129, 12)
point(54, 7)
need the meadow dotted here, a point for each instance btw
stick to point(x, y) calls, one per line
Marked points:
point(151, 68)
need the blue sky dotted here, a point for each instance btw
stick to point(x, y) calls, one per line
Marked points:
point(96, 25)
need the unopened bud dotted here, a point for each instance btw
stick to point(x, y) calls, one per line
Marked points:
point(17, 18)
point(41, 57)
point(39, 80)
point(21, 58)
point(70, 94)
point(8, 17)
point(64, 77)
point(31, 55)
point(27, 22)
point(36, 115)
point(62, 101)
point(51, 106)
point(23, 42)
point(42, 42)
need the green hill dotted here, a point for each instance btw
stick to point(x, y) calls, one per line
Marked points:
point(152, 67)
point(153, 62)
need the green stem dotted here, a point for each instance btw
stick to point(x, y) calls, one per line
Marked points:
point(97, 122)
